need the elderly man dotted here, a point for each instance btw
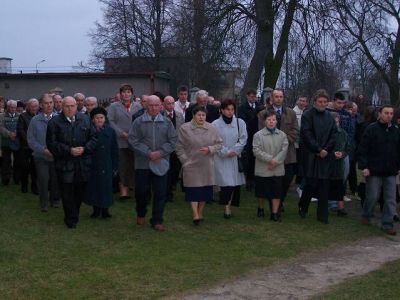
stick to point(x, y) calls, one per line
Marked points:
point(177, 120)
point(142, 109)
point(44, 161)
point(120, 117)
point(25, 158)
point(153, 138)
point(182, 103)
point(90, 103)
point(201, 99)
point(71, 141)
point(80, 102)
point(9, 143)
point(57, 100)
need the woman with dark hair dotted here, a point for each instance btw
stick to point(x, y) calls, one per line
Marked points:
point(228, 177)
point(99, 191)
point(198, 141)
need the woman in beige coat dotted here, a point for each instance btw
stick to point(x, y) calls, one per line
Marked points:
point(198, 141)
point(270, 146)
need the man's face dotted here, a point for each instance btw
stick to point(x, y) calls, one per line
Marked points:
point(57, 102)
point(302, 102)
point(80, 102)
point(153, 106)
point(33, 108)
point(277, 98)
point(11, 109)
point(202, 100)
point(321, 103)
point(69, 107)
point(169, 104)
point(251, 98)
point(182, 96)
point(338, 104)
point(90, 105)
point(386, 115)
point(126, 95)
point(46, 105)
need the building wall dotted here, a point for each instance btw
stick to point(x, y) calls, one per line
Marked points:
point(25, 87)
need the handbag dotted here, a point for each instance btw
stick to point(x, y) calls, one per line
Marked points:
point(239, 158)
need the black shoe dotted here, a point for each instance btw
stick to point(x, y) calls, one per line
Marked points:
point(276, 217)
point(324, 222)
point(6, 182)
point(227, 216)
point(396, 218)
point(71, 225)
point(24, 189)
point(122, 198)
point(105, 214)
point(196, 222)
point(96, 212)
point(302, 213)
point(260, 213)
point(341, 212)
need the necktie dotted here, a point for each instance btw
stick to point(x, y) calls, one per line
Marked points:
point(170, 116)
point(183, 108)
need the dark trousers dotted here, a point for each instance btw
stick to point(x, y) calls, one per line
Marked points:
point(9, 165)
point(353, 176)
point(145, 183)
point(249, 162)
point(72, 195)
point(46, 181)
point(173, 175)
point(290, 171)
point(320, 189)
point(27, 167)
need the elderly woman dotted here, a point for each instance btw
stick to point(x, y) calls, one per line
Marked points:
point(228, 177)
point(198, 141)
point(105, 157)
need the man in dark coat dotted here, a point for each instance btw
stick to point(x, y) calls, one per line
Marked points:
point(71, 141)
point(25, 158)
point(247, 111)
point(379, 160)
point(201, 99)
point(317, 138)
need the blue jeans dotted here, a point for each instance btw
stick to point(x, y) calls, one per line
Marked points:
point(146, 182)
point(374, 185)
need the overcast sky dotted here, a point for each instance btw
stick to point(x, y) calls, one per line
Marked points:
point(54, 30)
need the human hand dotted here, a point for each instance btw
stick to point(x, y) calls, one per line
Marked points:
point(323, 153)
point(155, 155)
point(124, 135)
point(232, 154)
point(47, 153)
point(338, 154)
point(204, 150)
point(272, 164)
point(365, 172)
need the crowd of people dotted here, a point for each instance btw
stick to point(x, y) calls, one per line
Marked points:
point(72, 151)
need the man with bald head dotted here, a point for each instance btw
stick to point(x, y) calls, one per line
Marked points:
point(71, 142)
point(153, 137)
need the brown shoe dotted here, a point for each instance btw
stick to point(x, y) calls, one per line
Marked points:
point(159, 227)
point(365, 221)
point(389, 231)
point(140, 221)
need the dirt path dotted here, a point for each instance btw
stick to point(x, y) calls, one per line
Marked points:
point(310, 275)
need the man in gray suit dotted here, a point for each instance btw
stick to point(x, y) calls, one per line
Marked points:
point(177, 120)
point(120, 117)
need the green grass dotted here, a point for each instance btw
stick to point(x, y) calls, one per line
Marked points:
point(383, 283)
point(41, 259)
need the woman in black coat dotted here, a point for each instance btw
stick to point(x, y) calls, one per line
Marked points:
point(105, 165)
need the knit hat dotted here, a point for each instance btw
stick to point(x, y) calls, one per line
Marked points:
point(96, 111)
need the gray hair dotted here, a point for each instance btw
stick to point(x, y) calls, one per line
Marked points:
point(31, 101)
point(79, 95)
point(90, 99)
point(12, 103)
point(201, 93)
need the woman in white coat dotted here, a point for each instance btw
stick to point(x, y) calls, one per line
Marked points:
point(228, 177)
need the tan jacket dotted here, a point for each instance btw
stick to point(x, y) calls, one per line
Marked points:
point(290, 127)
point(267, 146)
point(198, 169)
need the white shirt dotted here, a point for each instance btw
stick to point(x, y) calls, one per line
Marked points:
point(179, 107)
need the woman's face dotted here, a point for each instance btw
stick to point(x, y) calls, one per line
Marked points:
point(271, 122)
point(99, 120)
point(200, 117)
point(228, 111)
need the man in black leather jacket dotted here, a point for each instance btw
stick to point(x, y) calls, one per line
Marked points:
point(71, 141)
